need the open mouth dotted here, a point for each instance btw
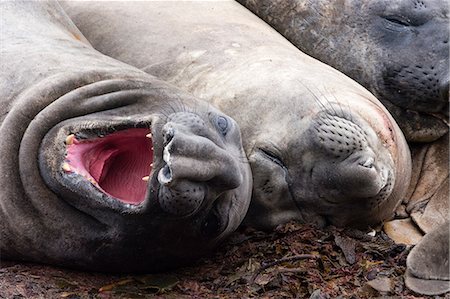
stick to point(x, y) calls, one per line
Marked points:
point(118, 164)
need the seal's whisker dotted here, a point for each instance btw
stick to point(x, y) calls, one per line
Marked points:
point(328, 102)
point(338, 103)
point(315, 97)
point(349, 109)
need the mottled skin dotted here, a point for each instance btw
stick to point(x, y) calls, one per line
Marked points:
point(54, 84)
point(322, 149)
point(399, 50)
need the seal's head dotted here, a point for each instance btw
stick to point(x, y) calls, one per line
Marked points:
point(142, 186)
point(412, 60)
point(339, 165)
point(399, 50)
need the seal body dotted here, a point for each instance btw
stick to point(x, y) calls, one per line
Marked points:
point(104, 167)
point(322, 149)
point(399, 51)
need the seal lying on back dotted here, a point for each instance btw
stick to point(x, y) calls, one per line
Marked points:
point(398, 50)
point(322, 149)
point(79, 132)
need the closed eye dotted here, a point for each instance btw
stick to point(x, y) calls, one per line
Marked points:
point(398, 21)
point(273, 157)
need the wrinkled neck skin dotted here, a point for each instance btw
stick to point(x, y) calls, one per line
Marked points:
point(403, 63)
point(222, 53)
point(51, 81)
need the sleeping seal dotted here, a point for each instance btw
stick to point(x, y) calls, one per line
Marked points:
point(322, 149)
point(81, 135)
point(398, 50)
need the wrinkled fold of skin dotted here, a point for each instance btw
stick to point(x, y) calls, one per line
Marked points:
point(322, 149)
point(104, 167)
point(399, 51)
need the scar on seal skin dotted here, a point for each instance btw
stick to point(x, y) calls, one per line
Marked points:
point(322, 149)
point(105, 167)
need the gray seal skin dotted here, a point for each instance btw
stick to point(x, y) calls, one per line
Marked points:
point(81, 135)
point(398, 50)
point(428, 268)
point(322, 149)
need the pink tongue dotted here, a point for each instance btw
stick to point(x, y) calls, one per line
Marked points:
point(117, 163)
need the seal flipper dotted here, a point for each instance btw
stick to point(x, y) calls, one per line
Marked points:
point(428, 263)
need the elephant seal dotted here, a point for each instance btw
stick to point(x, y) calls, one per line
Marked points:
point(322, 149)
point(81, 135)
point(399, 51)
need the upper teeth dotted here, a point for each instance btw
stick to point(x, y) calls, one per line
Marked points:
point(66, 167)
point(69, 139)
point(146, 178)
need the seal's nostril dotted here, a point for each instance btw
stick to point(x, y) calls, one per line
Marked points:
point(367, 163)
point(165, 175)
point(168, 135)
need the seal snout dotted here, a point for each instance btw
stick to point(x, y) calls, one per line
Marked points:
point(358, 167)
point(367, 163)
point(195, 168)
point(369, 174)
point(339, 136)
